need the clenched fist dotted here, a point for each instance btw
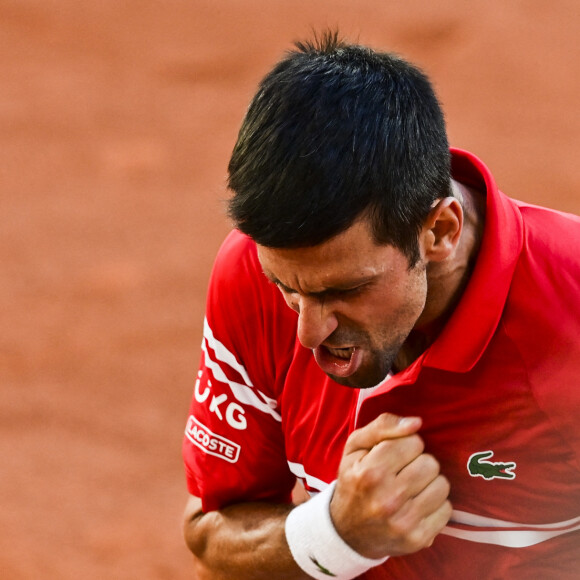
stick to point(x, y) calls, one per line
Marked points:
point(390, 498)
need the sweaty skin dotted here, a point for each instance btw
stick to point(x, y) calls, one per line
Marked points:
point(363, 311)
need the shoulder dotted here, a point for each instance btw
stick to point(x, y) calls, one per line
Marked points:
point(237, 259)
point(550, 253)
point(246, 313)
point(554, 233)
point(237, 283)
point(542, 313)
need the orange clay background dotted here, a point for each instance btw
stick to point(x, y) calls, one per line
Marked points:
point(116, 123)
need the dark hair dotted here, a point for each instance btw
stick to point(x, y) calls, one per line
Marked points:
point(334, 132)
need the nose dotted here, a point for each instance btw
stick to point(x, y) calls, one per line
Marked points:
point(315, 322)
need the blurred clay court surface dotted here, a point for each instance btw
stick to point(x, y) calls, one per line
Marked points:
point(116, 123)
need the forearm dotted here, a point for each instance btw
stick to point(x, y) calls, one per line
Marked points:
point(244, 541)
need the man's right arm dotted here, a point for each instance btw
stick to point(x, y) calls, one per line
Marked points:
point(390, 499)
point(243, 541)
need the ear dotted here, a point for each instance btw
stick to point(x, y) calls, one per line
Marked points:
point(442, 229)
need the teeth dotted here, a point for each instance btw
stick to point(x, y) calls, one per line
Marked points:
point(344, 353)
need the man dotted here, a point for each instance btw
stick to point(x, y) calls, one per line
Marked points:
point(388, 328)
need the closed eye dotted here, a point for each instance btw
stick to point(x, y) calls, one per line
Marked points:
point(332, 293)
point(284, 289)
point(339, 293)
point(328, 294)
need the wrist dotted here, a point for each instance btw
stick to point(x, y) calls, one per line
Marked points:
point(317, 547)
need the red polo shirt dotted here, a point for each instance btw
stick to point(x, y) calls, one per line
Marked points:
point(498, 392)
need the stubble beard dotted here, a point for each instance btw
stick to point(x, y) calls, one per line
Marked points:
point(376, 369)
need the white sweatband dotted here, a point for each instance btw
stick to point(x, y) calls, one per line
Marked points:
point(316, 546)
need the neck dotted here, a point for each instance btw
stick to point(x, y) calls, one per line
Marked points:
point(447, 280)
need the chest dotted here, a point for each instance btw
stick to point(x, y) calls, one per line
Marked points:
point(503, 456)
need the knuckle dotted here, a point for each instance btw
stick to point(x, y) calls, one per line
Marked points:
point(410, 447)
point(420, 537)
point(392, 503)
point(413, 532)
point(448, 514)
point(362, 478)
point(430, 465)
point(385, 420)
point(384, 425)
point(356, 439)
point(353, 443)
point(447, 511)
point(444, 482)
point(405, 528)
point(441, 487)
point(417, 443)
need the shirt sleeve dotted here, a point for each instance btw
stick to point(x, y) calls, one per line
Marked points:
point(233, 446)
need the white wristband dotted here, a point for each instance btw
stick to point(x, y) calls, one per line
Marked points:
point(316, 546)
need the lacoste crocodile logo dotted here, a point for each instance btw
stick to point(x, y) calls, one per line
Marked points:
point(478, 466)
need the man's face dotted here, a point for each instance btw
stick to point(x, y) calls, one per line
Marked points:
point(356, 301)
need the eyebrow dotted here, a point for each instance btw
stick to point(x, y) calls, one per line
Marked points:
point(327, 291)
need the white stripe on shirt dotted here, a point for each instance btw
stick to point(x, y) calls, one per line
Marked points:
point(298, 470)
point(503, 533)
point(518, 536)
point(247, 393)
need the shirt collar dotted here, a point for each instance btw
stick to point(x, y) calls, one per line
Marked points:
point(475, 318)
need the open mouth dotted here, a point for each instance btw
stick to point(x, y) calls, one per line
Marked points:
point(339, 362)
point(342, 353)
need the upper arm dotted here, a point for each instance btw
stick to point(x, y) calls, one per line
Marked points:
point(234, 447)
point(191, 516)
point(192, 510)
point(196, 541)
